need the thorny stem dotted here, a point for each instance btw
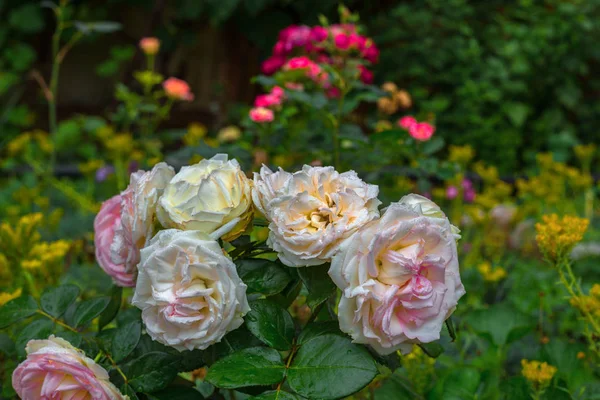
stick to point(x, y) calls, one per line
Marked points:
point(288, 363)
point(115, 366)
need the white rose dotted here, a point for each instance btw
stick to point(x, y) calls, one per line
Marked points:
point(189, 292)
point(213, 196)
point(312, 211)
point(138, 208)
point(399, 278)
point(427, 208)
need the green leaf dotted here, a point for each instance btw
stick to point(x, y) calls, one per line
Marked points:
point(67, 135)
point(317, 329)
point(39, 329)
point(177, 392)
point(125, 339)
point(263, 276)
point(516, 112)
point(27, 18)
point(271, 323)
point(7, 346)
point(460, 384)
point(434, 145)
point(276, 395)
point(256, 366)
point(55, 301)
point(451, 329)
point(99, 26)
point(17, 309)
point(152, 371)
point(128, 391)
point(498, 322)
point(318, 283)
point(331, 367)
point(111, 311)
point(71, 337)
point(87, 310)
point(239, 339)
point(433, 349)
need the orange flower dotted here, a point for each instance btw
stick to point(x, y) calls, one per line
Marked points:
point(150, 45)
point(178, 89)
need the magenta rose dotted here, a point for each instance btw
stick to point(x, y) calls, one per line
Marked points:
point(56, 370)
point(107, 220)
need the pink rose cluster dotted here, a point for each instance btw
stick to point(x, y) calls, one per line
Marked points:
point(421, 131)
point(468, 191)
point(324, 45)
point(264, 105)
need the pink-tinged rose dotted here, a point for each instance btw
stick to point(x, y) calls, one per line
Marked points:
point(355, 40)
point(267, 100)
point(261, 115)
point(54, 369)
point(138, 215)
point(294, 86)
point(294, 36)
point(279, 49)
point(301, 62)
point(451, 192)
point(421, 131)
point(272, 65)
point(333, 92)
point(399, 277)
point(407, 122)
point(318, 34)
point(189, 291)
point(470, 195)
point(323, 59)
point(371, 52)
point(278, 91)
point(105, 223)
point(342, 41)
point(366, 76)
point(178, 89)
point(150, 45)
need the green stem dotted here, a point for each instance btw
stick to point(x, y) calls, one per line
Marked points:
point(57, 321)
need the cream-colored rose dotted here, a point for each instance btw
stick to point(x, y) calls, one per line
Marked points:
point(189, 292)
point(427, 208)
point(399, 278)
point(213, 196)
point(138, 208)
point(312, 211)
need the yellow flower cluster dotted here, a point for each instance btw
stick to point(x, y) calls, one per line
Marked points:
point(383, 125)
point(396, 99)
point(585, 152)
point(20, 143)
point(194, 135)
point(539, 374)
point(557, 236)
point(5, 297)
point(588, 304)
point(419, 368)
point(90, 166)
point(43, 253)
point(461, 154)
point(490, 274)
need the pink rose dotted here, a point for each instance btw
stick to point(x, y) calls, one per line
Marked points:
point(301, 62)
point(333, 92)
point(105, 223)
point(272, 65)
point(138, 215)
point(178, 89)
point(267, 100)
point(370, 52)
point(407, 122)
point(366, 76)
point(399, 277)
point(451, 192)
point(277, 91)
point(342, 41)
point(279, 49)
point(421, 131)
point(54, 369)
point(150, 45)
point(318, 34)
point(261, 115)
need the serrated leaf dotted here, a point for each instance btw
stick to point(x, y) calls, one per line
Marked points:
point(318, 283)
point(498, 322)
point(111, 311)
point(55, 301)
point(271, 324)
point(276, 395)
point(125, 339)
point(128, 391)
point(238, 339)
point(263, 276)
point(152, 371)
point(433, 349)
point(71, 337)
point(256, 366)
point(87, 310)
point(177, 392)
point(331, 367)
point(17, 309)
point(7, 346)
point(39, 329)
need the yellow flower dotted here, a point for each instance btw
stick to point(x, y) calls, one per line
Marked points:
point(461, 154)
point(195, 159)
point(490, 274)
point(5, 297)
point(229, 134)
point(91, 166)
point(595, 291)
point(31, 264)
point(105, 132)
point(420, 368)
point(18, 144)
point(389, 87)
point(43, 140)
point(121, 143)
point(586, 304)
point(387, 106)
point(556, 236)
point(539, 374)
point(383, 125)
point(194, 134)
point(585, 152)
